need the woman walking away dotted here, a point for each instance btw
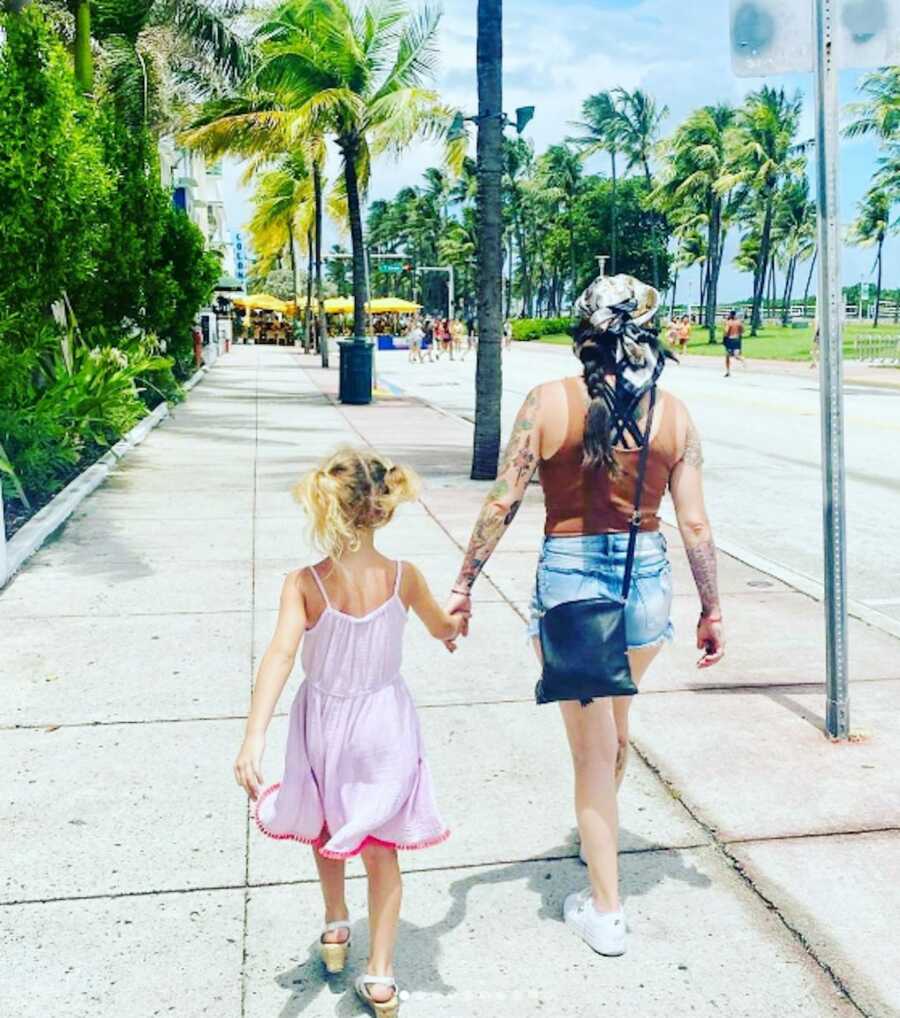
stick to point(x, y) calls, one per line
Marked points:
point(734, 341)
point(355, 778)
point(591, 436)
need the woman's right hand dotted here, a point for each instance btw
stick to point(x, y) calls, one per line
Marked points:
point(248, 766)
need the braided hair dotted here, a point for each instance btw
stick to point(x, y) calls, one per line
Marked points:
point(598, 352)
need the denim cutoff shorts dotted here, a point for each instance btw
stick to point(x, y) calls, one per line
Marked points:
point(581, 568)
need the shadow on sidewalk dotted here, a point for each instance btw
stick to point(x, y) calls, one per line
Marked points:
point(551, 876)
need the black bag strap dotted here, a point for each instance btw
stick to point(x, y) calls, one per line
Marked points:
point(636, 517)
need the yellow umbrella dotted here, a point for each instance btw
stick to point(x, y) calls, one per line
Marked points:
point(339, 306)
point(293, 308)
point(392, 305)
point(261, 302)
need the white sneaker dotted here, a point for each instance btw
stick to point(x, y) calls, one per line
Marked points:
point(602, 931)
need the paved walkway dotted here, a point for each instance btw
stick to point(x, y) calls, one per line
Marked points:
point(760, 863)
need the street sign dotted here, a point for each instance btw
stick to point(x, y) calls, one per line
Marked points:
point(390, 267)
point(778, 37)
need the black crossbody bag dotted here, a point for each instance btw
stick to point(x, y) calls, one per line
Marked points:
point(584, 645)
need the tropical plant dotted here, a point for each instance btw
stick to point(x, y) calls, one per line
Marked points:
point(870, 229)
point(640, 120)
point(763, 153)
point(52, 207)
point(489, 370)
point(793, 234)
point(356, 74)
point(601, 131)
point(695, 189)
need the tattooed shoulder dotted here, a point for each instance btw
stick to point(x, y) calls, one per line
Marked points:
point(693, 451)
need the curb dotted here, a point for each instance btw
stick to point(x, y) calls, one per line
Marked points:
point(44, 523)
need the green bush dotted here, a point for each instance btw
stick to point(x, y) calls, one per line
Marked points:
point(527, 329)
point(53, 183)
point(63, 400)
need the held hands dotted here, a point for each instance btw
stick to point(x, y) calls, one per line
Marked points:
point(711, 640)
point(459, 608)
point(248, 766)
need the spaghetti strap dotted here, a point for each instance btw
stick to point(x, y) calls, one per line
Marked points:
point(399, 577)
point(320, 585)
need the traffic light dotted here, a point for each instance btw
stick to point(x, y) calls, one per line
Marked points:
point(776, 36)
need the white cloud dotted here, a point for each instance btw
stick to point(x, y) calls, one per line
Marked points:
point(557, 53)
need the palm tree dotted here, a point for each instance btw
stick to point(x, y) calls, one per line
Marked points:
point(793, 234)
point(601, 128)
point(871, 228)
point(640, 119)
point(764, 152)
point(284, 214)
point(357, 75)
point(697, 169)
point(160, 54)
point(560, 170)
point(255, 125)
point(489, 372)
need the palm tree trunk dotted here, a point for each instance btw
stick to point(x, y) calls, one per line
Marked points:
point(614, 214)
point(674, 293)
point(809, 279)
point(310, 268)
point(654, 232)
point(350, 150)
point(715, 221)
point(295, 271)
point(788, 290)
point(762, 269)
point(322, 330)
point(878, 282)
point(84, 62)
point(489, 371)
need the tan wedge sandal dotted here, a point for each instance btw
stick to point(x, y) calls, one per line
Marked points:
point(335, 955)
point(388, 1009)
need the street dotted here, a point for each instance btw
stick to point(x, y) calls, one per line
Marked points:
point(762, 446)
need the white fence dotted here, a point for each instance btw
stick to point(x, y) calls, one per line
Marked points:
point(877, 349)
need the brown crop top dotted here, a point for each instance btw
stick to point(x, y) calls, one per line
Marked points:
point(584, 501)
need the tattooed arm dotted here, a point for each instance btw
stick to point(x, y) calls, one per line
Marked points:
point(503, 501)
point(686, 484)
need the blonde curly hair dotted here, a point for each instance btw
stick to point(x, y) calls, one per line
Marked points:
point(353, 491)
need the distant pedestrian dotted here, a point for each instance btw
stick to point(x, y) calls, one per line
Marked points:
point(507, 335)
point(415, 336)
point(684, 334)
point(428, 342)
point(457, 331)
point(355, 778)
point(815, 349)
point(734, 341)
point(470, 336)
point(672, 332)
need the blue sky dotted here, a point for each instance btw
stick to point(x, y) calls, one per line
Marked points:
point(556, 52)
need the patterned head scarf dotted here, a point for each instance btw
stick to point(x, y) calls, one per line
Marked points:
point(620, 307)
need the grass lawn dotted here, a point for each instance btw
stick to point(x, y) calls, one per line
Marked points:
point(773, 342)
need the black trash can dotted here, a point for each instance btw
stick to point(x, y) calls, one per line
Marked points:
point(356, 371)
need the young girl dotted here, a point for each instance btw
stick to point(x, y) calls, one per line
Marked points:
point(355, 778)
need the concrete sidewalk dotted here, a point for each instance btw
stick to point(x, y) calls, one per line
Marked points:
point(760, 863)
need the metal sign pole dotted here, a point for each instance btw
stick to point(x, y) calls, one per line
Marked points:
point(830, 307)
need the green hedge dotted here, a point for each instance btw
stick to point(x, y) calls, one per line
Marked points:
point(85, 223)
point(527, 329)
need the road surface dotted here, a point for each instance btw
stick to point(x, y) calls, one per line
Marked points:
point(762, 445)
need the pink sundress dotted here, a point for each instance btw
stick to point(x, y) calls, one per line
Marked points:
point(354, 769)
